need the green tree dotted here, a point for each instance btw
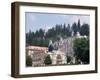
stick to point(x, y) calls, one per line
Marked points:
point(37, 34)
point(47, 60)
point(74, 28)
point(84, 30)
point(78, 25)
point(68, 30)
point(41, 33)
point(81, 49)
point(28, 61)
point(29, 37)
point(68, 59)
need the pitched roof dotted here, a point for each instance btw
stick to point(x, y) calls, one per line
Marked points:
point(37, 48)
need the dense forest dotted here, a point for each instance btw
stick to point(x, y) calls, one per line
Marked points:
point(42, 37)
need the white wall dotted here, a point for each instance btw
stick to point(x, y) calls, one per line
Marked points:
point(5, 40)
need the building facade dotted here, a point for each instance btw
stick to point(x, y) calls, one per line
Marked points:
point(37, 54)
point(59, 52)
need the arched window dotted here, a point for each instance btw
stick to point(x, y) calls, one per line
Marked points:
point(59, 59)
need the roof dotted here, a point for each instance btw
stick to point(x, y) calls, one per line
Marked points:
point(37, 48)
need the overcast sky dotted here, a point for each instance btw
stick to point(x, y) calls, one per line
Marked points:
point(35, 21)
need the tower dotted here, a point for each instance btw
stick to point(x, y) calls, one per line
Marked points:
point(72, 34)
point(78, 35)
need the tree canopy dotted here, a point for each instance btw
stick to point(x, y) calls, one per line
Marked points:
point(81, 49)
point(28, 61)
point(41, 37)
point(47, 60)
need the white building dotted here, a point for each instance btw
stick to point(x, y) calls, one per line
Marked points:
point(65, 48)
point(57, 57)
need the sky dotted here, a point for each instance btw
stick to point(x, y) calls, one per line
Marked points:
point(35, 21)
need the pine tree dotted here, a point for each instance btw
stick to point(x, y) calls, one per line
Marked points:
point(47, 60)
point(79, 25)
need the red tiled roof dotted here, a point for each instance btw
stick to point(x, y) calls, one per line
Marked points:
point(37, 48)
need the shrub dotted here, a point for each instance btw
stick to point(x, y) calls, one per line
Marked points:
point(47, 60)
point(28, 61)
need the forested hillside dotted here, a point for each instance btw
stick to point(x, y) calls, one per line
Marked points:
point(41, 37)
